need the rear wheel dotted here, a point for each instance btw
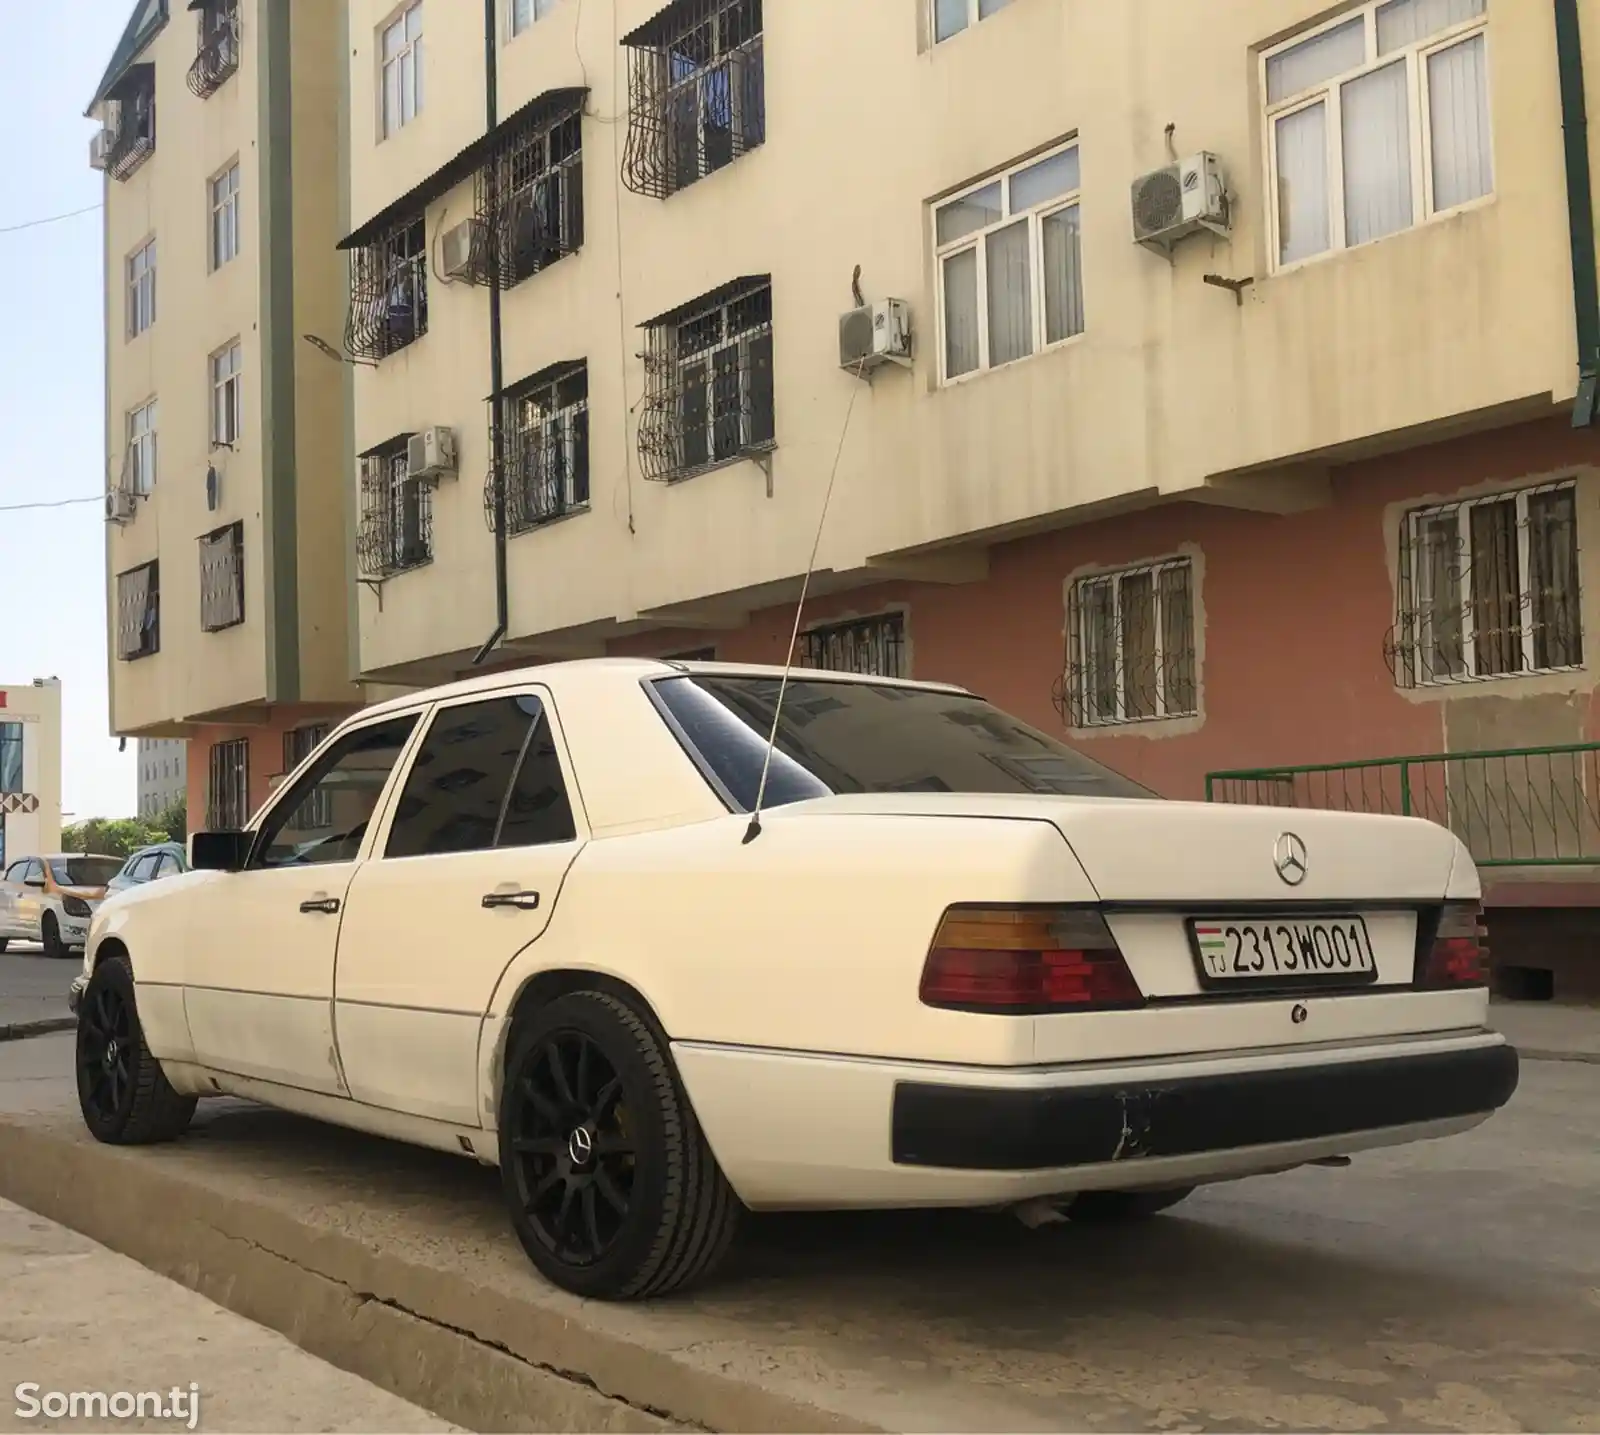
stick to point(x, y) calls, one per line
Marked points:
point(1112, 1207)
point(613, 1189)
point(50, 935)
point(124, 1095)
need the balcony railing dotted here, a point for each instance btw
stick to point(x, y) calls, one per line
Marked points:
point(217, 58)
point(1511, 807)
point(135, 138)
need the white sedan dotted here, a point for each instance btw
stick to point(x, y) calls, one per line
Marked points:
point(953, 962)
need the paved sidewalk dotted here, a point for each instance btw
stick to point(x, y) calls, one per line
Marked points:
point(77, 1317)
point(33, 987)
point(1550, 1031)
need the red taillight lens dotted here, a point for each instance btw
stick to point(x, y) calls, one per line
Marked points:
point(1026, 959)
point(1459, 956)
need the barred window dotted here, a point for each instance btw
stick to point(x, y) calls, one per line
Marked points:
point(222, 578)
point(396, 528)
point(875, 646)
point(536, 172)
point(696, 93)
point(316, 812)
point(708, 382)
point(1131, 646)
point(544, 448)
point(139, 611)
point(388, 291)
point(228, 788)
point(1489, 588)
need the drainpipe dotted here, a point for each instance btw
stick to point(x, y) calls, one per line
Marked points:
point(1580, 210)
point(502, 602)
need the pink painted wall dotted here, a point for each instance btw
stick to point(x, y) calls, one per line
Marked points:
point(266, 753)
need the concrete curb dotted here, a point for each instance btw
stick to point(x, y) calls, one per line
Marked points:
point(478, 1357)
point(1528, 1053)
point(21, 1030)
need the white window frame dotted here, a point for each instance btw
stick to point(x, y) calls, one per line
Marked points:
point(141, 449)
point(975, 16)
point(227, 395)
point(1422, 638)
point(978, 240)
point(223, 191)
point(535, 11)
point(406, 64)
point(1329, 93)
point(1114, 579)
point(140, 288)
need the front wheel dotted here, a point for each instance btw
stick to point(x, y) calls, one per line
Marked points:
point(50, 935)
point(613, 1189)
point(1115, 1207)
point(124, 1095)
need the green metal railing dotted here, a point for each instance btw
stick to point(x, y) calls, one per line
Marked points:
point(1515, 807)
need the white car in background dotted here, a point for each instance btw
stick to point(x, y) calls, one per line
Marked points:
point(51, 899)
point(531, 918)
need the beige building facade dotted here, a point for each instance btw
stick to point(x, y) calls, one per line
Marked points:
point(30, 769)
point(225, 538)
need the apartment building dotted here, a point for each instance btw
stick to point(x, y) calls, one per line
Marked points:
point(163, 774)
point(30, 769)
point(1213, 382)
point(225, 540)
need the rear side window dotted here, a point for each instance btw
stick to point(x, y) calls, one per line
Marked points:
point(486, 776)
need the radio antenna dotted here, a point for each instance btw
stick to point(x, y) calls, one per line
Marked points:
point(753, 831)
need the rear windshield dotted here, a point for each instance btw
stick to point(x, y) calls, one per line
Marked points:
point(840, 737)
point(84, 871)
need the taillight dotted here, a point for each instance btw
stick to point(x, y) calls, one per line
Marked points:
point(1459, 956)
point(1024, 960)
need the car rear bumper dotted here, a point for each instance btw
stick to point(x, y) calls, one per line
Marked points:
point(975, 1128)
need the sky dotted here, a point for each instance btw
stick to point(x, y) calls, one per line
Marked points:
point(52, 447)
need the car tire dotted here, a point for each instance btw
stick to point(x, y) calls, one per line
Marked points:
point(125, 1097)
point(1107, 1208)
point(50, 936)
point(612, 1187)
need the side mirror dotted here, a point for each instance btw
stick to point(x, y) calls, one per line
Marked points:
point(35, 882)
point(219, 851)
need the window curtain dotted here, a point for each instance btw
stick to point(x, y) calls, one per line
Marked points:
point(1496, 591)
point(961, 313)
point(949, 18)
point(1439, 615)
point(1405, 22)
point(1010, 294)
point(1303, 228)
point(1458, 98)
point(1177, 639)
point(1098, 681)
point(1063, 275)
point(1377, 155)
point(1309, 63)
point(1553, 579)
point(1139, 675)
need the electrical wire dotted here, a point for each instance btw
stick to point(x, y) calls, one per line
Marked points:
point(58, 503)
point(48, 219)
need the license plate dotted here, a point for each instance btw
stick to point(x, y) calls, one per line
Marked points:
point(1282, 951)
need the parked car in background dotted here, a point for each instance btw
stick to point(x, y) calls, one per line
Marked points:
point(150, 864)
point(50, 899)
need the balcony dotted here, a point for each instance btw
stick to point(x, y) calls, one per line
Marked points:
point(218, 56)
point(131, 126)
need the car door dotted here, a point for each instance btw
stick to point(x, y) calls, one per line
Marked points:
point(10, 896)
point(259, 947)
point(30, 901)
point(166, 865)
point(465, 875)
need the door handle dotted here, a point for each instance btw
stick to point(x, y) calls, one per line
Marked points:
point(523, 901)
point(330, 905)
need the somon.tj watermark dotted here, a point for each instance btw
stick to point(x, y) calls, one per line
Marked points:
point(177, 1404)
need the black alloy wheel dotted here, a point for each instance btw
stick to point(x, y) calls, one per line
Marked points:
point(123, 1094)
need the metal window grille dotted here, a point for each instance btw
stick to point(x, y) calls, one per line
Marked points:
point(1488, 587)
point(396, 527)
point(228, 791)
point(222, 578)
point(139, 611)
point(218, 50)
point(708, 382)
point(1130, 647)
point(135, 128)
point(533, 180)
point(544, 449)
point(696, 93)
point(316, 813)
point(876, 646)
point(388, 292)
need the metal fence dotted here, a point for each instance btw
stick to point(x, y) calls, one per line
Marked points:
point(1512, 807)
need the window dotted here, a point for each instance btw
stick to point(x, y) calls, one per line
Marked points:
point(298, 745)
point(487, 775)
point(396, 528)
point(141, 288)
point(139, 465)
point(227, 396)
point(218, 52)
point(525, 12)
point(1376, 123)
point(10, 757)
point(533, 181)
point(876, 646)
point(225, 216)
point(1131, 646)
point(222, 578)
point(545, 448)
point(1010, 272)
point(324, 816)
point(388, 291)
point(708, 382)
point(1489, 588)
point(401, 82)
point(139, 612)
point(228, 791)
point(843, 737)
point(951, 17)
point(697, 93)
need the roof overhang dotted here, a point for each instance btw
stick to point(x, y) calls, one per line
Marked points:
point(147, 21)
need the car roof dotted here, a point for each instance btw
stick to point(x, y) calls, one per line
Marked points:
point(74, 856)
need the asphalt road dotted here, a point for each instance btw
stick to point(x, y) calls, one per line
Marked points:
point(33, 986)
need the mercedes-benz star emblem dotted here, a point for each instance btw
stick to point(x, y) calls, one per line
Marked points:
point(580, 1146)
point(1289, 859)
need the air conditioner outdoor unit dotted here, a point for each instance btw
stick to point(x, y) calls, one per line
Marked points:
point(431, 453)
point(461, 251)
point(1171, 204)
point(119, 506)
point(875, 334)
point(99, 148)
